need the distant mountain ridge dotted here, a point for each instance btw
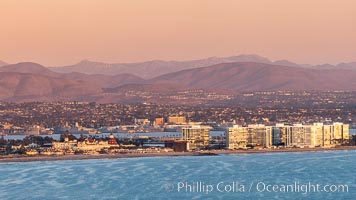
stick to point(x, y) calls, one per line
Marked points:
point(350, 66)
point(33, 82)
point(30, 87)
point(28, 67)
point(154, 68)
point(249, 76)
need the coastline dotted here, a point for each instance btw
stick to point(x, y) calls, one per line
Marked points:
point(12, 159)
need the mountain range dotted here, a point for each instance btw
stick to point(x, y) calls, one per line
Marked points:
point(350, 66)
point(249, 76)
point(33, 82)
point(155, 68)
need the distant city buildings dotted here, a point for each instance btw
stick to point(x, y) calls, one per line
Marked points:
point(176, 120)
point(142, 121)
point(193, 137)
point(247, 108)
point(159, 121)
point(297, 135)
point(265, 120)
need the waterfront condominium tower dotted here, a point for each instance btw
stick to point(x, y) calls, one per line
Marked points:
point(197, 137)
point(256, 136)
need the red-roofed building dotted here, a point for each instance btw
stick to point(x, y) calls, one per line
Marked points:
point(112, 141)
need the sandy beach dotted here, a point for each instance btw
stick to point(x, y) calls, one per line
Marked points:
point(18, 158)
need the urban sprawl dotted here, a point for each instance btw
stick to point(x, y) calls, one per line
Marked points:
point(81, 133)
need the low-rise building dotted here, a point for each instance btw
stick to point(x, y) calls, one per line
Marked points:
point(176, 120)
point(159, 121)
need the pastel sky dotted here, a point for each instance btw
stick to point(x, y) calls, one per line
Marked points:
point(61, 32)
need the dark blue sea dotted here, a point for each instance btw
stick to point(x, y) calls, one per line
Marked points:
point(307, 175)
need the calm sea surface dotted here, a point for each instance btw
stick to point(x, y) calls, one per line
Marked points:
point(250, 176)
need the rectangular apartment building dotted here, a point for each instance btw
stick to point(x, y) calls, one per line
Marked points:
point(316, 135)
point(197, 137)
point(257, 136)
point(341, 131)
point(236, 137)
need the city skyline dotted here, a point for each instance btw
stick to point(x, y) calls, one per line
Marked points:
point(314, 32)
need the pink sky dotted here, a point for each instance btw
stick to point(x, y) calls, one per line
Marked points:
point(60, 32)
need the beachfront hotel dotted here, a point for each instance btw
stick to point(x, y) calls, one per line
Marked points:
point(296, 135)
point(88, 145)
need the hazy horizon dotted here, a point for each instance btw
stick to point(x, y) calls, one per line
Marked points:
point(55, 33)
point(176, 60)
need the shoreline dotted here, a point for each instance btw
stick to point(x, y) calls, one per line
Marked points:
point(9, 159)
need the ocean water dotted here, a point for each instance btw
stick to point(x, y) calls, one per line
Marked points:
point(249, 176)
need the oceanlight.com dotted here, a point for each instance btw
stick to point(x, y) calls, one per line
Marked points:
point(238, 187)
